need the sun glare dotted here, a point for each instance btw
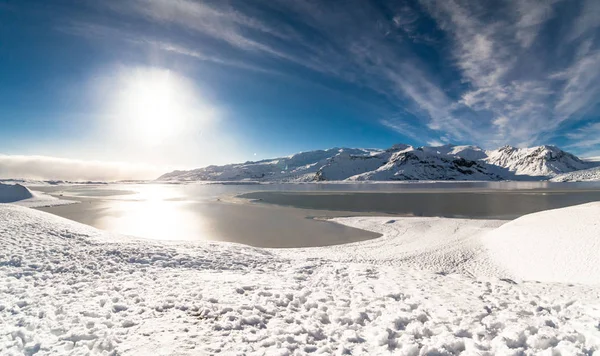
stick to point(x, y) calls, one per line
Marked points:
point(156, 105)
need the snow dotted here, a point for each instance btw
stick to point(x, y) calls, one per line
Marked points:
point(542, 161)
point(299, 167)
point(427, 287)
point(468, 152)
point(586, 175)
point(400, 162)
point(426, 164)
point(13, 192)
point(21, 195)
point(561, 245)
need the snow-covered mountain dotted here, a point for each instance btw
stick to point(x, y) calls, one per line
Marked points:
point(545, 161)
point(298, 167)
point(399, 162)
point(421, 164)
point(585, 175)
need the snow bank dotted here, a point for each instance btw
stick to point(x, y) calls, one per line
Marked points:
point(435, 244)
point(69, 289)
point(561, 245)
point(13, 192)
point(21, 195)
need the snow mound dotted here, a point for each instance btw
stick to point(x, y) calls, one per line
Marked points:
point(21, 195)
point(561, 245)
point(10, 193)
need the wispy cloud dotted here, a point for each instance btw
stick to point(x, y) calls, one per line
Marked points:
point(461, 69)
point(523, 104)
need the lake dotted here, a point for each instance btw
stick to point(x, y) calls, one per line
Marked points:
point(283, 215)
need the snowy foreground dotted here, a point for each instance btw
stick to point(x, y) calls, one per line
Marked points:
point(427, 287)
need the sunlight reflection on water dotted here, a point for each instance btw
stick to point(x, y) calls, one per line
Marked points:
point(155, 219)
point(200, 212)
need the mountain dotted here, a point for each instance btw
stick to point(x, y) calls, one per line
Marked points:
point(422, 164)
point(546, 161)
point(400, 162)
point(297, 168)
point(586, 175)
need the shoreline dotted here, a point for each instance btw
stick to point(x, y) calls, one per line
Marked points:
point(420, 289)
point(218, 220)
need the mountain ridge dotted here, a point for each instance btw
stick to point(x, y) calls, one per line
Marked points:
point(401, 162)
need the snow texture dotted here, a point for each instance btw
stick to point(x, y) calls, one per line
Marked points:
point(295, 168)
point(399, 162)
point(561, 245)
point(545, 161)
point(586, 175)
point(69, 289)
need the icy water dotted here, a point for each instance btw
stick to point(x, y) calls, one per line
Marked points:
point(283, 215)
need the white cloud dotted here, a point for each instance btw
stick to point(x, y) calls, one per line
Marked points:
point(587, 20)
point(435, 143)
point(585, 138)
point(507, 90)
point(582, 86)
point(531, 15)
point(49, 168)
point(491, 57)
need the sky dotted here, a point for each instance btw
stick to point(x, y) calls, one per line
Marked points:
point(129, 89)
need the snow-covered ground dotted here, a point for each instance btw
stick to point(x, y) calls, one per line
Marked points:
point(427, 287)
point(21, 195)
point(560, 245)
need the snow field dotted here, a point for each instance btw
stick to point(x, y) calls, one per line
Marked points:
point(68, 289)
point(560, 245)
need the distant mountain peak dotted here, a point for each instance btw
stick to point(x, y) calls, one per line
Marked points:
point(399, 162)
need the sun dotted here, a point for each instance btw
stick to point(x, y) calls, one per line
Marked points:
point(152, 112)
point(156, 106)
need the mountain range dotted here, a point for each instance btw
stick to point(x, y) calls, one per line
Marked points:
point(399, 163)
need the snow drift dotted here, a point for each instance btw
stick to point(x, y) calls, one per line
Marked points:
point(10, 193)
point(561, 245)
point(21, 195)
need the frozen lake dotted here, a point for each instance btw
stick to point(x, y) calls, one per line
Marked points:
point(281, 215)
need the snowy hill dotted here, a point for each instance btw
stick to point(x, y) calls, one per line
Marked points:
point(10, 193)
point(428, 286)
point(559, 245)
point(421, 164)
point(545, 161)
point(21, 195)
point(299, 167)
point(586, 175)
point(399, 162)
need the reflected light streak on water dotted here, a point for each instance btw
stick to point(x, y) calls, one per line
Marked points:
point(152, 213)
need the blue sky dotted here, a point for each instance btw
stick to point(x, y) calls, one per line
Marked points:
point(255, 79)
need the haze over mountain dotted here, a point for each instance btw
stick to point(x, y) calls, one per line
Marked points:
point(400, 162)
